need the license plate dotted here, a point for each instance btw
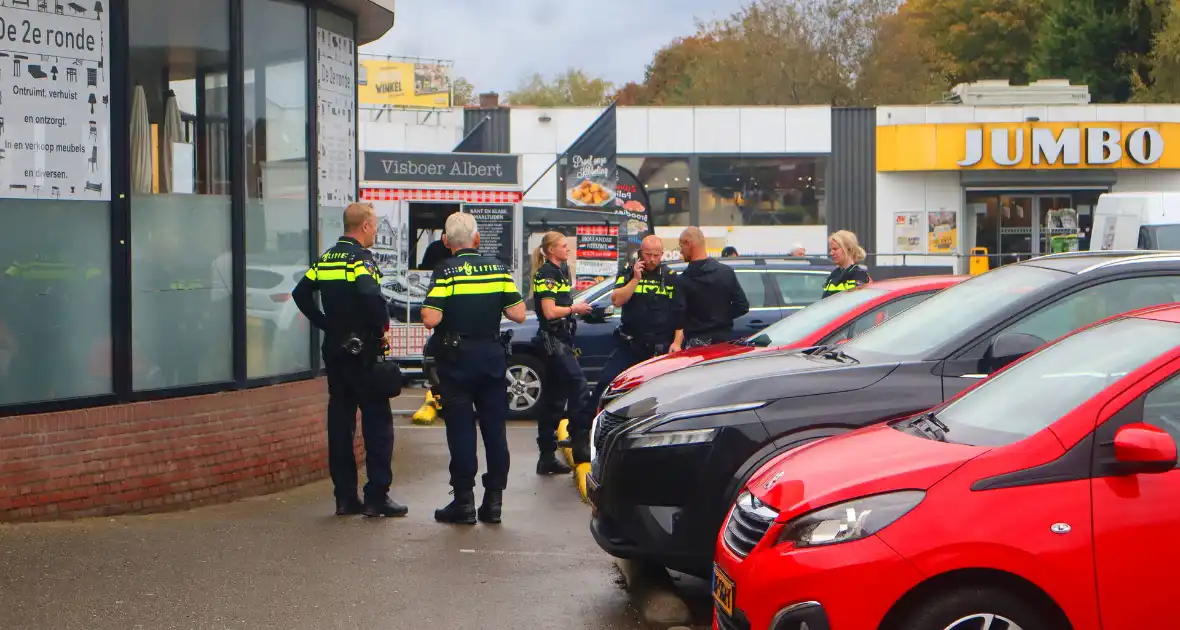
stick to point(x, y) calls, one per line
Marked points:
point(723, 590)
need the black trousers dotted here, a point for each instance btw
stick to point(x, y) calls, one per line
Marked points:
point(625, 356)
point(475, 388)
point(566, 387)
point(345, 395)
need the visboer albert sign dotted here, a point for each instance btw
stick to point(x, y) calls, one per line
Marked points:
point(953, 147)
point(443, 168)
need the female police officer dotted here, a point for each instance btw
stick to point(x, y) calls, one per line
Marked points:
point(564, 380)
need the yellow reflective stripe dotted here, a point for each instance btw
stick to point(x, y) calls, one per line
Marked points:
point(620, 281)
point(328, 275)
point(353, 274)
point(440, 292)
point(433, 308)
point(331, 265)
point(515, 303)
point(310, 275)
point(654, 288)
point(483, 288)
point(480, 278)
point(843, 286)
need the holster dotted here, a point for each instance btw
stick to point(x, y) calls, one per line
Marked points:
point(552, 345)
point(506, 342)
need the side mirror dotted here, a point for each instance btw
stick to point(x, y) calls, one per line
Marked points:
point(1006, 348)
point(1142, 448)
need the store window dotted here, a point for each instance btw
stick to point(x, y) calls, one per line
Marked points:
point(762, 191)
point(667, 182)
point(335, 122)
point(278, 218)
point(181, 271)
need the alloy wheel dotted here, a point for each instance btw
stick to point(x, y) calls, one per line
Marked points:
point(984, 621)
point(524, 387)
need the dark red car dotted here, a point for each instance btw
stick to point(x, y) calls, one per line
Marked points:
point(829, 321)
point(1046, 497)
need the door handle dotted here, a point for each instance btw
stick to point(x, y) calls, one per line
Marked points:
point(757, 323)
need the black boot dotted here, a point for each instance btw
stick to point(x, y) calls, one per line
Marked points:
point(493, 503)
point(460, 511)
point(347, 506)
point(548, 464)
point(384, 506)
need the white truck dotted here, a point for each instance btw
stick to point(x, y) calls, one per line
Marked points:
point(1126, 221)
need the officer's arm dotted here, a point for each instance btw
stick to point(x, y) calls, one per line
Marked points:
point(436, 299)
point(304, 296)
point(513, 303)
point(625, 286)
point(376, 310)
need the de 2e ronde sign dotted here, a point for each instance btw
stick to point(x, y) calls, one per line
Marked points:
point(442, 168)
point(1102, 145)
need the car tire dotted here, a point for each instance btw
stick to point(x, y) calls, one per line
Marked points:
point(526, 389)
point(972, 608)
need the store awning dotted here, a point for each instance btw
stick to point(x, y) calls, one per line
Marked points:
point(374, 17)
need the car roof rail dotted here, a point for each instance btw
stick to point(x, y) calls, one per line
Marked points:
point(1136, 257)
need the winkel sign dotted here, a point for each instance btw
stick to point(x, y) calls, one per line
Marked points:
point(1026, 146)
point(442, 168)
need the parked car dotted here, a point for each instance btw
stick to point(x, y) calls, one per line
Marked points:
point(671, 455)
point(775, 288)
point(834, 320)
point(270, 307)
point(1044, 498)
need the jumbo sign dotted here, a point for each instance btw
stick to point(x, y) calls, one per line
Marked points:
point(1026, 146)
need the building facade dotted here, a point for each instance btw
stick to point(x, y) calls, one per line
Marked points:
point(168, 169)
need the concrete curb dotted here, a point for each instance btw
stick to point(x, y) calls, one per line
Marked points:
point(654, 595)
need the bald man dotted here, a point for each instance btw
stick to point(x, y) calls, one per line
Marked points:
point(354, 321)
point(644, 292)
point(708, 296)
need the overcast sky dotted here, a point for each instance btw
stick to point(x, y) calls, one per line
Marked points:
point(495, 43)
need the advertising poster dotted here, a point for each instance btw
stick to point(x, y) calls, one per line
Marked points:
point(907, 232)
point(384, 82)
point(495, 229)
point(632, 202)
point(942, 231)
point(336, 119)
point(598, 255)
point(590, 173)
point(55, 101)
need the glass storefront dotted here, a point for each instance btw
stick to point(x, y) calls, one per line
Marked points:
point(158, 260)
point(667, 181)
point(1018, 225)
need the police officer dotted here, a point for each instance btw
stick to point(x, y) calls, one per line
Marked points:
point(468, 293)
point(354, 321)
point(564, 380)
point(644, 292)
point(847, 254)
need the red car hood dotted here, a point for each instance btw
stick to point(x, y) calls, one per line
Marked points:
point(869, 461)
point(640, 373)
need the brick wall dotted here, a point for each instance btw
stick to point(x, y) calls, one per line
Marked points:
point(162, 455)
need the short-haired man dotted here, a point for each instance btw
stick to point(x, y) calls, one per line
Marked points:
point(708, 297)
point(354, 321)
point(468, 294)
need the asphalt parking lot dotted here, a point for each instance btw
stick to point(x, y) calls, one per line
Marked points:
point(284, 561)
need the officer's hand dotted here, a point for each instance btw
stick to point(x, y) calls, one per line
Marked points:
point(581, 308)
point(638, 269)
point(674, 348)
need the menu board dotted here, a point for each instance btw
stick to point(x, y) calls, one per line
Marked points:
point(55, 101)
point(597, 255)
point(495, 230)
point(907, 232)
point(335, 120)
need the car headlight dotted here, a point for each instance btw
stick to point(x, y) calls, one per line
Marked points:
point(851, 520)
point(660, 420)
point(654, 431)
point(672, 438)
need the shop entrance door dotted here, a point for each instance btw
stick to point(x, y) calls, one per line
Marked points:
point(1016, 226)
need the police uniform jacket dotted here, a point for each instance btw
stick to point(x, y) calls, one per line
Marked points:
point(553, 283)
point(846, 279)
point(471, 291)
point(648, 314)
point(348, 282)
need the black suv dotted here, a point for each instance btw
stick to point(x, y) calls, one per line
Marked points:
point(671, 455)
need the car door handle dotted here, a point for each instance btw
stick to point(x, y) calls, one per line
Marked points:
point(757, 323)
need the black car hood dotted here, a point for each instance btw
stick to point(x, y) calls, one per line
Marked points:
point(748, 378)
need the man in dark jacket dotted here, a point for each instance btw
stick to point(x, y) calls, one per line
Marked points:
point(707, 298)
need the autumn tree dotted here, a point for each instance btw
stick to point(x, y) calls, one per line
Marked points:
point(570, 88)
point(1161, 83)
point(980, 39)
point(902, 67)
point(463, 93)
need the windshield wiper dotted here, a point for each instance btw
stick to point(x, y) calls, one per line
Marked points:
point(834, 353)
point(931, 425)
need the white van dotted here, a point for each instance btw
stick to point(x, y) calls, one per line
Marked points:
point(1126, 221)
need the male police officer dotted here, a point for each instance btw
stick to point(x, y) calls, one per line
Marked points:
point(645, 295)
point(468, 292)
point(354, 321)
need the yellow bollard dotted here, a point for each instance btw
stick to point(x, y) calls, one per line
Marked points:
point(580, 473)
point(429, 410)
point(563, 435)
point(978, 262)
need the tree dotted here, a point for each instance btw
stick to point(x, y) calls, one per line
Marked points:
point(464, 93)
point(902, 66)
point(571, 88)
point(1103, 44)
point(980, 39)
point(1161, 83)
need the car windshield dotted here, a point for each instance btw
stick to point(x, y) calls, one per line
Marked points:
point(815, 316)
point(592, 291)
point(923, 327)
point(1040, 390)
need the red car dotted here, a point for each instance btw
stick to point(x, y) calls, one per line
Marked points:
point(1046, 497)
point(832, 320)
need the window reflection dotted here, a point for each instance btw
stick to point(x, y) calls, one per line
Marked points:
point(181, 330)
point(762, 191)
point(667, 182)
point(278, 337)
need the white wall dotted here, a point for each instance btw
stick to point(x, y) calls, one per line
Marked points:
point(914, 191)
point(410, 131)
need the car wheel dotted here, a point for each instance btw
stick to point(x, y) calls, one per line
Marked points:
point(979, 608)
point(526, 374)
